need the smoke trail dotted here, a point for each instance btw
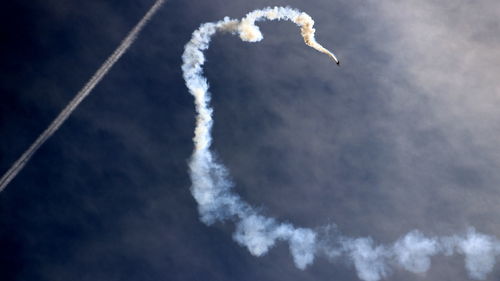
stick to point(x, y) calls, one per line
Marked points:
point(82, 94)
point(211, 187)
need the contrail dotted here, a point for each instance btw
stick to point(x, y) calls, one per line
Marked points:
point(212, 188)
point(82, 94)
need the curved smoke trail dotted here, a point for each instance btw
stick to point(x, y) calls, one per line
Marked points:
point(211, 187)
point(80, 96)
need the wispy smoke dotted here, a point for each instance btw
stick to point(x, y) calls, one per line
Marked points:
point(211, 186)
point(82, 94)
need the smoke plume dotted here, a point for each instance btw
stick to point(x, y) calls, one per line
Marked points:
point(212, 188)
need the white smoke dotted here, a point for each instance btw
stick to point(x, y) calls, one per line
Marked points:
point(211, 187)
point(479, 251)
point(414, 250)
point(369, 260)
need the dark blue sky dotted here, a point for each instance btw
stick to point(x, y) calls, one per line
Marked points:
point(402, 136)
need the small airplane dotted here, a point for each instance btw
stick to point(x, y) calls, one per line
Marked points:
point(333, 57)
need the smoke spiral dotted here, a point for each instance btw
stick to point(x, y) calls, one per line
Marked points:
point(212, 189)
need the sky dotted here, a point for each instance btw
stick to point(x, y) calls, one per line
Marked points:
point(401, 136)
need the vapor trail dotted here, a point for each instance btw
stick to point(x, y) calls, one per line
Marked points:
point(211, 186)
point(82, 94)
